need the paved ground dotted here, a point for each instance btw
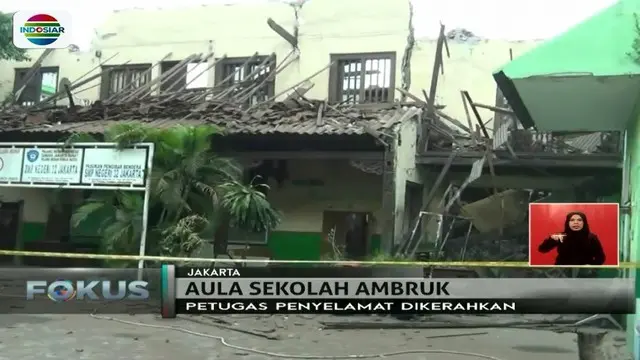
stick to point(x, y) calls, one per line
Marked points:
point(79, 337)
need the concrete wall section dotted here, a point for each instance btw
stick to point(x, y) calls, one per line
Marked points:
point(405, 171)
point(35, 210)
point(470, 67)
point(341, 187)
point(344, 188)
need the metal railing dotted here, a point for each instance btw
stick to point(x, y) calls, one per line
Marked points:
point(507, 138)
point(563, 143)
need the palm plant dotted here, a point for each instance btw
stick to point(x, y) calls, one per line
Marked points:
point(192, 191)
point(247, 206)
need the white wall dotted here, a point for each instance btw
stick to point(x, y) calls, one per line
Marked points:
point(344, 188)
point(469, 67)
point(36, 203)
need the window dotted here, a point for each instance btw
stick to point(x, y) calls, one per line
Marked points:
point(42, 85)
point(124, 77)
point(243, 75)
point(193, 76)
point(362, 78)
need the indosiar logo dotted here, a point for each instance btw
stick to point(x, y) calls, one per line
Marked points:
point(42, 30)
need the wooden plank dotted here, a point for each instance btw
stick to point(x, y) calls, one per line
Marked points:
point(291, 39)
point(128, 88)
point(406, 242)
point(477, 114)
point(79, 84)
point(246, 93)
point(293, 86)
point(437, 111)
point(160, 78)
point(437, 65)
point(494, 108)
point(466, 110)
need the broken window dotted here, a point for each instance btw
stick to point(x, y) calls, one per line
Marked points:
point(242, 76)
point(124, 77)
point(362, 78)
point(192, 76)
point(41, 85)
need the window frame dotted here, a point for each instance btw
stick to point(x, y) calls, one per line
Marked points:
point(17, 82)
point(106, 77)
point(181, 78)
point(335, 82)
point(168, 66)
point(221, 74)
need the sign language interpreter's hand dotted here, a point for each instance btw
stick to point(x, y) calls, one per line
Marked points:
point(558, 237)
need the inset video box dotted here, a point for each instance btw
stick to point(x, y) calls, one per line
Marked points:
point(343, 291)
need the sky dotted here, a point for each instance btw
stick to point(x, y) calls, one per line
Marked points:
point(494, 19)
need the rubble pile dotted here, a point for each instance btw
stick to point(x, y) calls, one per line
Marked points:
point(297, 113)
point(15, 117)
point(210, 110)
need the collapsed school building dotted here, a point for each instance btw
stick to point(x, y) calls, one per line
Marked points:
point(407, 176)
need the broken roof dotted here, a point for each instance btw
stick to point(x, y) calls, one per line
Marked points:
point(299, 116)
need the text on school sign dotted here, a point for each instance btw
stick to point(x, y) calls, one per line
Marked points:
point(11, 164)
point(78, 165)
point(109, 166)
point(52, 166)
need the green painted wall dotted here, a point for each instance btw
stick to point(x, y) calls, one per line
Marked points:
point(290, 245)
point(32, 231)
point(285, 245)
point(376, 241)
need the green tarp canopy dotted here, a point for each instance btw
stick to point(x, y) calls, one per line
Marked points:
point(586, 79)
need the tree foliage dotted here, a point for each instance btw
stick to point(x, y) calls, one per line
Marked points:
point(192, 189)
point(8, 51)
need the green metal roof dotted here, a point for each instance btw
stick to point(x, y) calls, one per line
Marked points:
point(598, 51)
point(600, 46)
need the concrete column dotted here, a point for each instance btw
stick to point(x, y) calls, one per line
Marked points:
point(387, 221)
point(630, 224)
point(601, 344)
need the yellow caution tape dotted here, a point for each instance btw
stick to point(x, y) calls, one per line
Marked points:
point(504, 264)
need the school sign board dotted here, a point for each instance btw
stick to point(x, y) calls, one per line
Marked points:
point(84, 165)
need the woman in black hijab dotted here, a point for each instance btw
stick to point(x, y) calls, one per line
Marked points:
point(576, 245)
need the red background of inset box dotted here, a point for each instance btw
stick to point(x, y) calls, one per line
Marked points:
point(548, 218)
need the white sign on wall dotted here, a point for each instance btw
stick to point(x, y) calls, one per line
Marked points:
point(81, 166)
point(52, 165)
point(11, 164)
point(106, 166)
